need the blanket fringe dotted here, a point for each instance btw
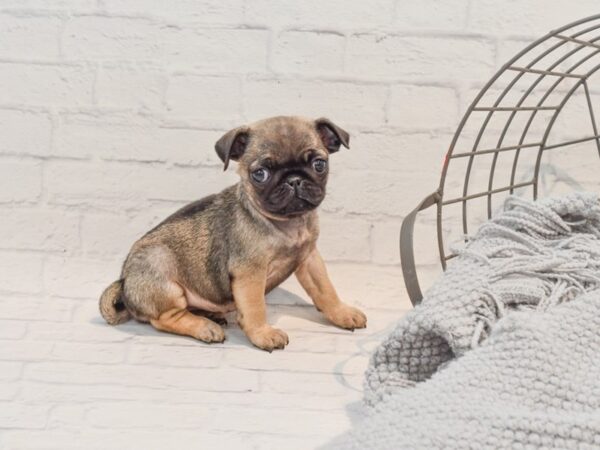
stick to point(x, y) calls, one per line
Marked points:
point(556, 244)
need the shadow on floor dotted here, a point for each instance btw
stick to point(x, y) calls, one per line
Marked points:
point(280, 303)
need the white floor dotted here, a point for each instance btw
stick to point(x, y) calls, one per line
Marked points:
point(68, 380)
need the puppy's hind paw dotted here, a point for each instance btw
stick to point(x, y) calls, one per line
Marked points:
point(268, 338)
point(211, 332)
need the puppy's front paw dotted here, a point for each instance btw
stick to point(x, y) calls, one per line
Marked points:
point(347, 317)
point(268, 338)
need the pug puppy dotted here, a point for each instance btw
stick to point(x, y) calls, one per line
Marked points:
point(226, 251)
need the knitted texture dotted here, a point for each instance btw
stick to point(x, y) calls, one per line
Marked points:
point(516, 361)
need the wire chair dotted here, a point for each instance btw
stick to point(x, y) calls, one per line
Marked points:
point(540, 101)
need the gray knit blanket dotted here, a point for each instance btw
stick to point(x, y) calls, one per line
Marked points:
point(504, 350)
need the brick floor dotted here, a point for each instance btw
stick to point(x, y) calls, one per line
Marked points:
point(68, 380)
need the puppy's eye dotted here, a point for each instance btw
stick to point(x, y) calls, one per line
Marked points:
point(320, 165)
point(260, 175)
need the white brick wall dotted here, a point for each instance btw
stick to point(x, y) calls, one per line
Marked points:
point(109, 110)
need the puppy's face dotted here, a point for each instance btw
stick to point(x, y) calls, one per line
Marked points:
point(283, 162)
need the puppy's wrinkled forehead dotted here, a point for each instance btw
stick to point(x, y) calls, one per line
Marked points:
point(282, 139)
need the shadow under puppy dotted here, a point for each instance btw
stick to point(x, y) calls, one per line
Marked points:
point(225, 251)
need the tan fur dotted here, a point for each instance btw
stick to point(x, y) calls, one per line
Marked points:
point(249, 291)
point(181, 321)
point(108, 299)
point(313, 277)
point(228, 250)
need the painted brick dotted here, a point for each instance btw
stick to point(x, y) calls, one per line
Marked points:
point(302, 51)
point(249, 419)
point(535, 18)
point(324, 363)
point(24, 350)
point(509, 48)
point(71, 277)
point(46, 85)
point(80, 136)
point(36, 139)
point(137, 86)
point(10, 370)
point(385, 237)
point(12, 329)
point(61, 439)
point(8, 391)
point(288, 442)
point(267, 97)
point(204, 97)
point(182, 11)
point(151, 415)
point(385, 242)
point(20, 272)
point(336, 13)
point(381, 193)
point(15, 415)
point(393, 150)
point(131, 184)
point(88, 352)
point(323, 384)
point(35, 37)
point(420, 58)
point(432, 14)
point(108, 38)
point(349, 241)
point(140, 39)
point(227, 380)
point(21, 181)
point(65, 417)
point(170, 355)
point(413, 106)
point(39, 230)
point(26, 308)
point(73, 5)
point(217, 50)
point(97, 331)
point(114, 234)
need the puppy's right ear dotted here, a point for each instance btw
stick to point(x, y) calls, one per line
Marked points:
point(232, 145)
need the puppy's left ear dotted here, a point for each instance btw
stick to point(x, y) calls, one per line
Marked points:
point(332, 135)
point(232, 145)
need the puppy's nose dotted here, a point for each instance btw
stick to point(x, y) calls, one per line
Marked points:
point(294, 181)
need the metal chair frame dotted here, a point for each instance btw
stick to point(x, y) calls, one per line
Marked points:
point(571, 35)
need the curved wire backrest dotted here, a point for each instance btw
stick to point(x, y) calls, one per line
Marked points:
point(506, 131)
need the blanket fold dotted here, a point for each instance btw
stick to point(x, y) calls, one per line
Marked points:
point(507, 340)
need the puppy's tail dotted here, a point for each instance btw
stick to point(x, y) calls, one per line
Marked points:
point(112, 307)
